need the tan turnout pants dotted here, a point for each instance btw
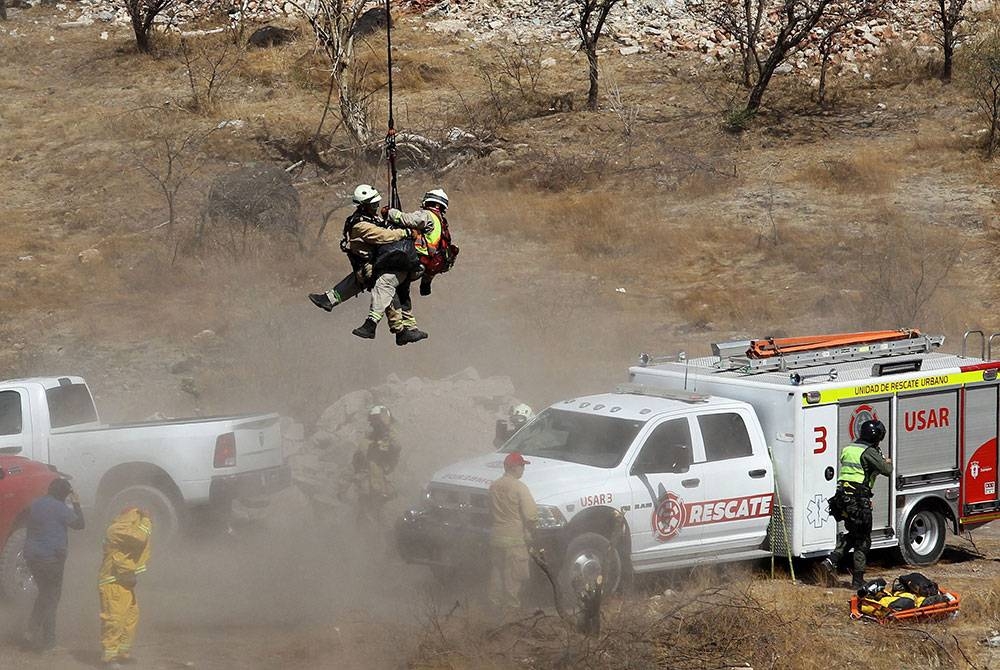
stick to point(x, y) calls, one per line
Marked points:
point(386, 285)
point(508, 574)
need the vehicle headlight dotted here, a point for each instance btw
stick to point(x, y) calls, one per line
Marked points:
point(549, 516)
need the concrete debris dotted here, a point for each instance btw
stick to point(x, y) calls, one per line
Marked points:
point(437, 422)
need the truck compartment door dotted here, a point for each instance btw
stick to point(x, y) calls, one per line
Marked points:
point(979, 467)
point(819, 478)
point(741, 490)
point(15, 423)
point(852, 415)
point(926, 438)
point(666, 484)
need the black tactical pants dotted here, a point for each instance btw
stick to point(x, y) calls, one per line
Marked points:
point(858, 522)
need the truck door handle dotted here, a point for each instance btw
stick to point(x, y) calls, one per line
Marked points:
point(690, 483)
point(757, 474)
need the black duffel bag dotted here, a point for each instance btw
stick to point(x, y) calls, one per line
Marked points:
point(398, 256)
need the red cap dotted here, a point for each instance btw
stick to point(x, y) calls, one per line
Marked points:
point(514, 458)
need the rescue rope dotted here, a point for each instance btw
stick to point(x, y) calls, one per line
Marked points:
point(390, 135)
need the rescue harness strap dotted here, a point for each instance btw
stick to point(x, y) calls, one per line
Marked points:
point(390, 136)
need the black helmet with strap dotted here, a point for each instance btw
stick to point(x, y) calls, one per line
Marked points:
point(872, 432)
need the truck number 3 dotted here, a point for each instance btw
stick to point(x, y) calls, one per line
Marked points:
point(820, 439)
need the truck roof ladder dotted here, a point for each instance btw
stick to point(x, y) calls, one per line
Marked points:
point(776, 354)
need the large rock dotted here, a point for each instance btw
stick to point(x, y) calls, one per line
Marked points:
point(437, 421)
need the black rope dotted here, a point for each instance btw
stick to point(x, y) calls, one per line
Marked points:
point(390, 136)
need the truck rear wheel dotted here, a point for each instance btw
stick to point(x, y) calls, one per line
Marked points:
point(922, 539)
point(16, 583)
point(162, 510)
point(587, 556)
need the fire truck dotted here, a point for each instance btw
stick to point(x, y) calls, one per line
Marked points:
point(734, 456)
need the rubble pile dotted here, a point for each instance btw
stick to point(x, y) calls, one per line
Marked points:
point(437, 422)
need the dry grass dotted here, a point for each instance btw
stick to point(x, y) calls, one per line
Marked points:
point(865, 171)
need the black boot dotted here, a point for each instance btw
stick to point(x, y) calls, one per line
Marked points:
point(366, 329)
point(321, 301)
point(857, 581)
point(408, 335)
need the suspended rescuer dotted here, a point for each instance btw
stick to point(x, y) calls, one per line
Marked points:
point(373, 462)
point(126, 553)
point(514, 516)
point(520, 414)
point(378, 266)
point(436, 252)
point(860, 464)
point(45, 553)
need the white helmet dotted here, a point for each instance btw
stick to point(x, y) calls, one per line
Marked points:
point(378, 410)
point(366, 195)
point(521, 413)
point(436, 197)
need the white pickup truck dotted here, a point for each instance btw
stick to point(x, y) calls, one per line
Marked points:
point(731, 457)
point(168, 467)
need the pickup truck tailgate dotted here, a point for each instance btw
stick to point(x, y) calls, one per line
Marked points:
point(258, 444)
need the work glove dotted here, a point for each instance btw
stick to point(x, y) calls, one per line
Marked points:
point(428, 227)
point(384, 212)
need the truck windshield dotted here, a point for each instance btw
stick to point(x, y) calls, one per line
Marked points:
point(70, 405)
point(588, 439)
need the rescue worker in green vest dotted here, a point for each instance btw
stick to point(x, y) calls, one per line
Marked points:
point(364, 232)
point(430, 219)
point(860, 464)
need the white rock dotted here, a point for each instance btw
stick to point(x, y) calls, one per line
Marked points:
point(89, 256)
point(104, 35)
point(547, 62)
point(630, 51)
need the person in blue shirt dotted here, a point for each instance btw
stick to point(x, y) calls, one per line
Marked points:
point(45, 553)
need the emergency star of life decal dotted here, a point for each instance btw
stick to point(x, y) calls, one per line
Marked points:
point(672, 514)
point(816, 513)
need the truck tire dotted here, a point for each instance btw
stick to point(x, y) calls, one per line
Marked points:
point(587, 555)
point(16, 583)
point(161, 508)
point(922, 539)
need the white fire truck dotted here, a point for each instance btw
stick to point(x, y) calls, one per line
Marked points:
point(734, 456)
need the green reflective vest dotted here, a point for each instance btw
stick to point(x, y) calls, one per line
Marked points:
point(851, 469)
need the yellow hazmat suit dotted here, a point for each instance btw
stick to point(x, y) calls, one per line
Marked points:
point(126, 552)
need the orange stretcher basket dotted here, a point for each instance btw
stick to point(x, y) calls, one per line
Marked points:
point(883, 614)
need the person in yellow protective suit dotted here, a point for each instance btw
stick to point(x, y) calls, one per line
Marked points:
point(126, 553)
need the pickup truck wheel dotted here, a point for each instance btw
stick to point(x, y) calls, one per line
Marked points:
point(16, 583)
point(922, 540)
point(589, 555)
point(162, 511)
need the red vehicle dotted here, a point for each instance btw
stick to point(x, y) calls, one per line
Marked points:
point(21, 481)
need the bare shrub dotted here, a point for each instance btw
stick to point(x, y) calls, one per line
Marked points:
point(256, 199)
point(983, 80)
point(907, 266)
point(142, 14)
point(510, 70)
point(333, 23)
point(208, 64)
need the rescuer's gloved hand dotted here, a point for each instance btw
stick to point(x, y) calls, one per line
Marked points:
point(384, 212)
point(428, 228)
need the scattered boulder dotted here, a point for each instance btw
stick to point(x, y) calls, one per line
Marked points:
point(89, 256)
point(272, 36)
point(371, 21)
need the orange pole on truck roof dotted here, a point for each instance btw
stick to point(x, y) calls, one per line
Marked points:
point(776, 346)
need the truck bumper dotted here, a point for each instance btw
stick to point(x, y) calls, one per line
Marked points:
point(249, 486)
point(424, 538)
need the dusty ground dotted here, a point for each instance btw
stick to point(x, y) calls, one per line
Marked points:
point(815, 220)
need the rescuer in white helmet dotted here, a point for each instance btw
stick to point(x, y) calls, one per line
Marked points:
point(434, 248)
point(380, 265)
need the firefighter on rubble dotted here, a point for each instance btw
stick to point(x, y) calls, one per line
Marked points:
point(373, 463)
point(860, 464)
point(364, 240)
point(515, 516)
point(126, 553)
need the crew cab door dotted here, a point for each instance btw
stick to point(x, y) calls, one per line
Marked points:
point(740, 489)
point(15, 423)
point(665, 480)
